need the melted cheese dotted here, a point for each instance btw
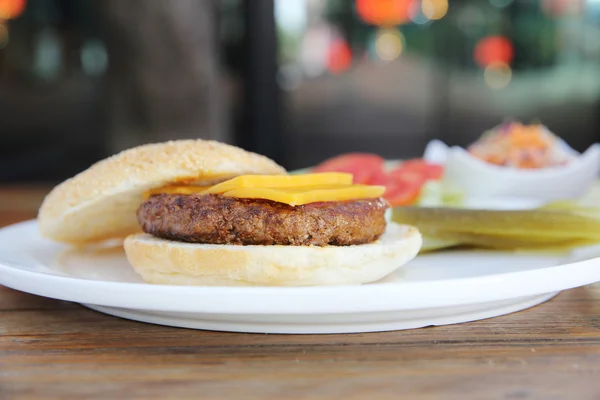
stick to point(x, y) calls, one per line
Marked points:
point(281, 181)
point(309, 194)
point(294, 190)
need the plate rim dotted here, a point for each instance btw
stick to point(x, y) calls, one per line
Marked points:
point(296, 300)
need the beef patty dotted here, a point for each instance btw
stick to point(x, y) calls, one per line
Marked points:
point(226, 220)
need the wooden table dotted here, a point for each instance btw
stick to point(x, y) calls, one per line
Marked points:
point(56, 349)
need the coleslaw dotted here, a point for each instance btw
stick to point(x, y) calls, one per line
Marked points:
point(515, 145)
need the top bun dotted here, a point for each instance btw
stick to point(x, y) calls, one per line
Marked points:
point(101, 202)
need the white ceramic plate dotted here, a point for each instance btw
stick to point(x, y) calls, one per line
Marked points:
point(437, 289)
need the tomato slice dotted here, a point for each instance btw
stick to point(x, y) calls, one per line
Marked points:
point(366, 168)
point(402, 190)
point(403, 184)
point(420, 166)
point(407, 175)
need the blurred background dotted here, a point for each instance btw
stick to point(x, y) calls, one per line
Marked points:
point(296, 80)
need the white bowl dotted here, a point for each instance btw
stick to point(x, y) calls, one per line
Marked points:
point(479, 179)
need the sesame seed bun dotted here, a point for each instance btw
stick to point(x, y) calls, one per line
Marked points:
point(100, 203)
point(168, 262)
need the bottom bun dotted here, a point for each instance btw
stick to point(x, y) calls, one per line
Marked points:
point(176, 263)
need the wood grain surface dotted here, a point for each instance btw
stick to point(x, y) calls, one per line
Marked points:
point(58, 350)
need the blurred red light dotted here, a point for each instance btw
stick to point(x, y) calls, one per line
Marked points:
point(384, 12)
point(11, 8)
point(340, 56)
point(493, 49)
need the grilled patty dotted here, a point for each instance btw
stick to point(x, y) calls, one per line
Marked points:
point(226, 220)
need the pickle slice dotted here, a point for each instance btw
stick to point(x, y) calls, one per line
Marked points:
point(533, 225)
point(508, 242)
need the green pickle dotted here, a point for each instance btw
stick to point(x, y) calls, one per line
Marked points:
point(507, 242)
point(560, 225)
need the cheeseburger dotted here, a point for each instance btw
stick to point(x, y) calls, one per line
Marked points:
point(196, 212)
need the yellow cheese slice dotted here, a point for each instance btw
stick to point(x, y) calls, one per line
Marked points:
point(289, 189)
point(309, 194)
point(282, 181)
